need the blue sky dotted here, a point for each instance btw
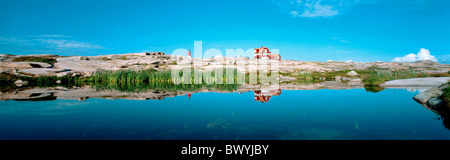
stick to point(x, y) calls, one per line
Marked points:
point(312, 30)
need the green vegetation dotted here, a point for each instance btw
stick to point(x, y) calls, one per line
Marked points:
point(373, 89)
point(138, 77)
point(376, 78)
point(7, 81)
point(104, 58)
point(142, 87)
point(374, 81)
point(446, 95)
point(138, 64)
point(122, 58)
point(123, 80)
point(142, 80)
point(40, 81)
point(311, 76)
point(45, 59)
point(129, 76)
point(6, 78)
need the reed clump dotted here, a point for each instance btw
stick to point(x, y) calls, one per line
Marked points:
point(44, 59)
point(143, 80)
point(375, 78)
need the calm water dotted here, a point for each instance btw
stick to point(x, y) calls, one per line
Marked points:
point(306, 114)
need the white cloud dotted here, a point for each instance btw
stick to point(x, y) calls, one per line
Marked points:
point(422, 55)
point(408, 58)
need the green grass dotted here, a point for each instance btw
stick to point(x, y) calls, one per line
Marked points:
point(308, 76)
point(156, 77)
point(104, 58)
point(123, 58)
point(373, 89)
point(137, 64)
point(374, 80)
point(143, 80)
point(45, 59)
point(7, 81)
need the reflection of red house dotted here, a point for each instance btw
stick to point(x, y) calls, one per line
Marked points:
point(265, 95)
point(189, 53)
point(264, 53)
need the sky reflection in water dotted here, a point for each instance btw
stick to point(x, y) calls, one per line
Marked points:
point(285, 115)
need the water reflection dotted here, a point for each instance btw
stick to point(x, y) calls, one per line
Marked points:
point(442, 111)
point(420, 90)
point(86, 92)
point(264, 95)
point(84, 112)
point(82, 93)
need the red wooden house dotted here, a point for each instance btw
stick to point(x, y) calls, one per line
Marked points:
point(264, 53)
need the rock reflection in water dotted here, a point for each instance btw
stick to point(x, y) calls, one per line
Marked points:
point(443, 111)
point(83, 112)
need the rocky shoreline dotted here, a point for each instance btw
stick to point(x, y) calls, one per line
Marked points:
point(86, 65)
point(85, 92)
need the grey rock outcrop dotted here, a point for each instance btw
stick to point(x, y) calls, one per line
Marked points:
point(431, 97)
